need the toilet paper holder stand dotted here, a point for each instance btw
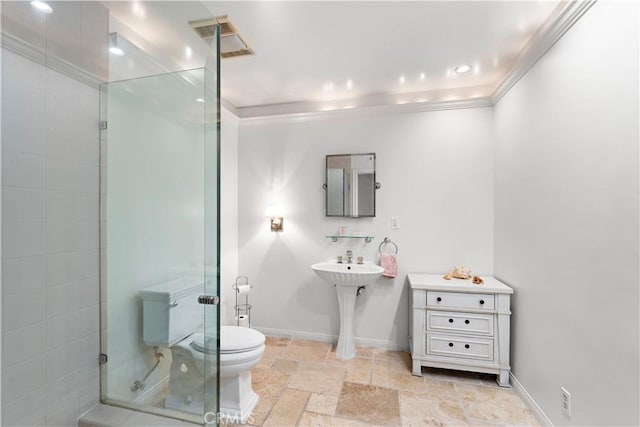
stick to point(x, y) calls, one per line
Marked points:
point(242, 307)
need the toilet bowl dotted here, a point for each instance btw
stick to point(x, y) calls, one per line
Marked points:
point(172, 318)
point(194, 369)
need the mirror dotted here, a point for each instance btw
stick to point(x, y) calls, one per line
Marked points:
point(351, 185)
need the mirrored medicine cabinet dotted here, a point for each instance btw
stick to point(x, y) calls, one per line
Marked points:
point(350, 185)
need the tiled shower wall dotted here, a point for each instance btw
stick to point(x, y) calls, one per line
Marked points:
point(50, 229)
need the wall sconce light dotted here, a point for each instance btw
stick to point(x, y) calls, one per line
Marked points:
point(275, 217)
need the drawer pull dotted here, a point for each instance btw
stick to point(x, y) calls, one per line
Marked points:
point(481, 302)
point(439, 299)
point(450, 344)
point(467, 322)
point(450, 320)
point(466, 346)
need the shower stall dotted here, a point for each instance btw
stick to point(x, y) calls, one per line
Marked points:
point(159, 204)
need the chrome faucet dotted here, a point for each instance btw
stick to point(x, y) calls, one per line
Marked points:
point(349, 256)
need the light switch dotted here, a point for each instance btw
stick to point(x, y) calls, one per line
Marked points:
point(395, 223)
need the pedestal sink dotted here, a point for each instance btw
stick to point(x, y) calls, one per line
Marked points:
point(347, 278)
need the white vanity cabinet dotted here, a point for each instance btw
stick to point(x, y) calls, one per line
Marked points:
point(455, 324)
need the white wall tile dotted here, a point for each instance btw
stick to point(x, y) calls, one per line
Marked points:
point(21, 239)
point(23, 133)
point(61, 268)
point(64, 32)
point(62, 206)
point(51, 127)
point(61, 175)
point(88, 207)
point(61, 237)
point(62, 361)
point(88, 143)
point(88, 264)
point(18, 70)
point(59, 391)
point(89, 397)
point(88, 350)
point(25, 101)
point(61, 300)
point(62, 330)
point(22, 344)
point(22, 169)
point(89, 291)
point(88, 235)
point(63, 88)
point(88, 179)
point(28, 411)
point(23, 309)
point(62, 128)
point(23, 379)
point(22, 204)
point(23, 274)
point(88, 321)
point(65, 414)
point(94, 45)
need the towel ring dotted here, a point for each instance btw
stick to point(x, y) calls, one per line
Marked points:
point(385, 242)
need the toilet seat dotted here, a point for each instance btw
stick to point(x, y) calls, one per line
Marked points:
point(233, 339)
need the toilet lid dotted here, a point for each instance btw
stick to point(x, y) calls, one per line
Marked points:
point(233, 339)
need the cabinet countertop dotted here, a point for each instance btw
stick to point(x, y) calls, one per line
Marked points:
point(435, 282)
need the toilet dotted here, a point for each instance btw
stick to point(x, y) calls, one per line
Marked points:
point(173, 318)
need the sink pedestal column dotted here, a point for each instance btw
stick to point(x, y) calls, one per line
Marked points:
point(346, 302)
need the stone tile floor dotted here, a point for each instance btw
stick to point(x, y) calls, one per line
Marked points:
point(302, 383)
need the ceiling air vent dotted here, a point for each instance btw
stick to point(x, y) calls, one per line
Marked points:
point(231, 41)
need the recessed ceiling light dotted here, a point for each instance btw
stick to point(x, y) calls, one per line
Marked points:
point(201, 100)
point(402, 79)
point(188, 52)
point(41, 7)
point(349, 84)
point(328, 86)
point(461, 69)
point(116, 50)
point(422, 76)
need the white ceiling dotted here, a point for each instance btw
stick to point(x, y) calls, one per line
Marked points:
point(307, 51)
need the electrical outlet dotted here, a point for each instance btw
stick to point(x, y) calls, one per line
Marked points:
point(395, 223)
point(565, 402)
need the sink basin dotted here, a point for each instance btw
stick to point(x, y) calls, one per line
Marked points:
point(347, 274)
point(347, 278)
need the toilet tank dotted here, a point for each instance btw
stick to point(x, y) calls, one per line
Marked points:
point(171, 311)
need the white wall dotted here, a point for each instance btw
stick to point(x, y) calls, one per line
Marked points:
point(50, 324)
point(228, 214)
point(436, 171)
point(566, 219)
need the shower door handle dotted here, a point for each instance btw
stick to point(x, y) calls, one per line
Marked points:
point(209, 299)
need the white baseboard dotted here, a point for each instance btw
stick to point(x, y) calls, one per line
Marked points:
point(311, 336)
point(528, 400)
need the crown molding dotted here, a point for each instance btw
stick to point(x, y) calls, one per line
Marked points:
point(39, 55)
point(540, 43)
point(555, 27)
point(417, 107)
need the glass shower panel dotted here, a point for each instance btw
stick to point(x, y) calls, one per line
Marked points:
point(155, 235)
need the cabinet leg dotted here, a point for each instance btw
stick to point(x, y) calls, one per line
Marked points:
point(503, 378)
point(416, 368)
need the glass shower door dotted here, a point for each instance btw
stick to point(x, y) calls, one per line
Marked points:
point(159, 243)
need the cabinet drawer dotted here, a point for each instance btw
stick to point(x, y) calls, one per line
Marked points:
point(460, 300)
point(453, 346)
point(444, 321)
